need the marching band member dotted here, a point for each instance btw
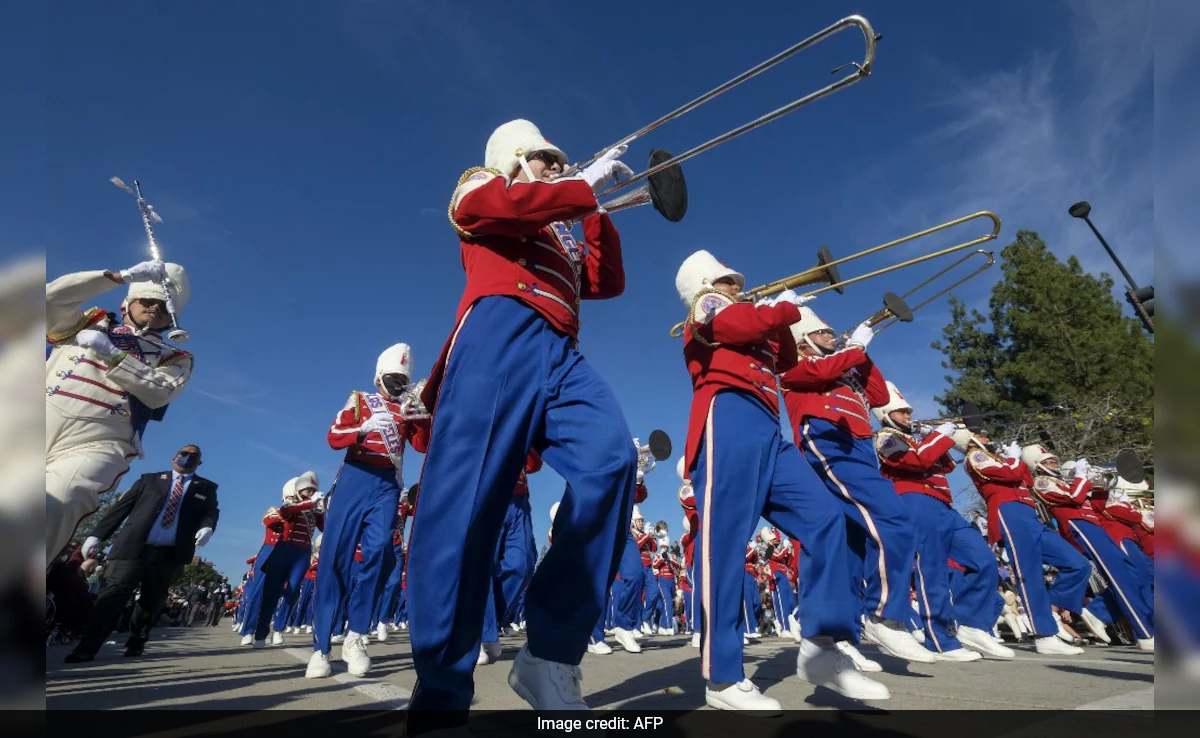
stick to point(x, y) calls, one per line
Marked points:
point(513, 562)
point(751, 600)
point(252, 594)
point(301, 619)
point(665, 568)
point(741, 468)
point(297, 521)
point(1129, 527)
point(781, 563)
point(239, 612)
point(511, 378)
point(106, 378)
point(829, 396)
point(373, 429)
point(916, 461)
point(1004, 484)
point(1082, 527)
point(691, 527)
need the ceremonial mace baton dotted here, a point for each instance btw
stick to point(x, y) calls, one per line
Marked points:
point(149, 218)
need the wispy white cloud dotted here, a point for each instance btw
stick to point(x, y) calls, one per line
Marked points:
point(229, 400)
point(281, 455)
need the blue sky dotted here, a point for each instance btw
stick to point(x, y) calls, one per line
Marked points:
point(302, 155)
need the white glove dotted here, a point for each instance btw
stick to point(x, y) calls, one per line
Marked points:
point(946, 429)
point(1082, 468)
point(606, 168)
point(640, 476)
point(376, 423)
point(89, 547)
point(317, 496)
point(920, 430)
point(862, 335)
point(97, 341)
point(203, 535)
point(148, 271)
point(1012, 451)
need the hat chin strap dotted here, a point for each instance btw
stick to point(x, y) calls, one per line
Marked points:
point(526, 168)
point(814, 346)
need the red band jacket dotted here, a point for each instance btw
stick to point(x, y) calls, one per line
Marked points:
point(1068, 502)
point(998, 482)
point(533, 464)
point(841, 388)
point(371, 450)
point(755, 345)
point(516, 245)
point(916, 466)
point(296, 523)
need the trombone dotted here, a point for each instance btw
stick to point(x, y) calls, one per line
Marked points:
point(884, 324)
point(826, 270)
point(664, 186)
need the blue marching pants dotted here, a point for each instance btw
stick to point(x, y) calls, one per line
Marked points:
point(1030, 543)
point(688, 624)
point(784, 598)
point(388, 568)
point(516, 555)
point(339, 612)
point(751, 602)
point(390, 600)
point(660, 603)
point(402, 606)
point(1144, 565)
point(1120, 573)
point(362, 509)
point(252, 593)
point(745, 469)
point(941, 534)
point(628, 590)
point(650, 595)
point(609, 608)
point(300, 613)
point(848, 466)
point(512, 383)
point(283, 573)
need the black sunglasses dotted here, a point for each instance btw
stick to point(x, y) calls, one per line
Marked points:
point(546, 157)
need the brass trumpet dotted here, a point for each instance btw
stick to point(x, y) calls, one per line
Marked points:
point(658, 449)
point(826, 270)
point(664, 186)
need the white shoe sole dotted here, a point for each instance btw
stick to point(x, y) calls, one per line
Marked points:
point(713, 700)
point(318, 673)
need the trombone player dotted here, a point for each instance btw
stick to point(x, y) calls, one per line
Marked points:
point(830, 393)
point(741, 467)
point(916, 459)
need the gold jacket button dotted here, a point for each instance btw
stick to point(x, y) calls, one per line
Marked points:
point(522, 286)
point(520, 262)
point(754, 366)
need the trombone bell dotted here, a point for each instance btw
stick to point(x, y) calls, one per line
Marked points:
point(825, 272)
point(666, 190)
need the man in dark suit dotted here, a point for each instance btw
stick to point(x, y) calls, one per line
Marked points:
point(166, 516)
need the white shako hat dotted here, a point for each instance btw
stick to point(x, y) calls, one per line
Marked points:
point(1035, 455)
point(767, 535)
point(307, 480)
point(700, 271)
point(637, 513)
point(289, 490)
point(680, 470)
point(181, 289)
point(809, 323)
point(510, 145)
point(895, 402)
point(395, 359)
point(553, 511)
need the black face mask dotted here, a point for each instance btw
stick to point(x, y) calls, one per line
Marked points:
point(187, 459)
point(394, 386)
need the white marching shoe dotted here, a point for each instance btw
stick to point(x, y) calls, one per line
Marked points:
point(354, 653)
point(918, 636)
point(489, 653)
point(514, 627)
point(862, 663)
point(339, 638)
point(743, 696)
point(959, 654)
point(1146, 644)
point(696, 639)
point(248, 639)
point(277, 639)
point(318, 666)
point(600, 648)
point(404, 625)
point(897, 641)
point(381, 632)
point(666, 631)
point(1052, 646)
point(1096, 626)
point(1062, 633)
point(308, 629)
point(627, 640)
point(647, 629)
point(546, 685)
point(827, 666)
point(983, 643)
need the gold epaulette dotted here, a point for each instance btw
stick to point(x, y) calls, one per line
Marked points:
point(355, 398)
point(453, 198)
point(89, 316)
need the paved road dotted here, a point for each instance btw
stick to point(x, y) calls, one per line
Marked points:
point(206, 668)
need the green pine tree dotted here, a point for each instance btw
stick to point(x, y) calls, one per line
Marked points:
point(1056, 353)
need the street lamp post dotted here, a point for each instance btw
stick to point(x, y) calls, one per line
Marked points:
point(1140, 298)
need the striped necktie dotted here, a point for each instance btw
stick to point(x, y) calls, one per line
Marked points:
point(173, 502)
